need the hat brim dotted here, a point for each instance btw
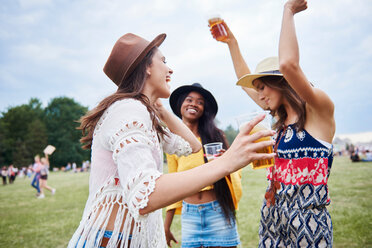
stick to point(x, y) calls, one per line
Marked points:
point(247, 80)
point(186, 89)
point(154, 43)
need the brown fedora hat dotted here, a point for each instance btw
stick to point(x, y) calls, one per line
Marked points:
point(126, 54)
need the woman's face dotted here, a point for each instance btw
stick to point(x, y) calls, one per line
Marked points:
point(272, 97)
point(159, 76)
point(192, 107)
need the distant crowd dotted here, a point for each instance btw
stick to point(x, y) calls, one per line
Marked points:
point(11, 172)
point(72, 167)
point(361, 154)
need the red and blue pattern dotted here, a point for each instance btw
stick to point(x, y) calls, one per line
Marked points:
point(299, 217)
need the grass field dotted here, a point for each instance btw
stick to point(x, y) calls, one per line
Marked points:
point(29, 222)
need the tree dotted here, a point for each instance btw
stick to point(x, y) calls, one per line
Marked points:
point(14, 129)
point(2, 143)
point(36, 138)
point(21, 156)
point(62, 114)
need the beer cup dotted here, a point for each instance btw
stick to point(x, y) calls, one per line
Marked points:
point(212, 150)
point(264, 124)
point(217, 28)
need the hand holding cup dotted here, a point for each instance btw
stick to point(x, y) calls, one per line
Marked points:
point(213, 150)
point(265, 124)
point(245, 147)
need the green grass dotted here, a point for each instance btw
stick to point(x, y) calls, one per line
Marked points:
point(29, 222)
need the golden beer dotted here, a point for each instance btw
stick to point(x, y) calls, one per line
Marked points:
point(263, 163)
point(218, 30)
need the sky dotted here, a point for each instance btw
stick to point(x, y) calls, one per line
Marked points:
point(53, 48)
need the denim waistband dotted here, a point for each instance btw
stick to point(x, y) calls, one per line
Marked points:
point(108, 234)
point(188, 207)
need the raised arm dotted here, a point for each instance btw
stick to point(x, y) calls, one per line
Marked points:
point(240, 66)
point(176, 126)
point(46, 159)
point(289, 59)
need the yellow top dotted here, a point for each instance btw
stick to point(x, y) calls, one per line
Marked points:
point(177, 164)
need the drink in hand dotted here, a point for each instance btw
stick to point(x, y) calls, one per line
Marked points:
point(217, 28)
point(212, 150)
point(263, 163)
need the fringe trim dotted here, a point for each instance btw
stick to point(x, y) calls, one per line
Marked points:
point(130, 200)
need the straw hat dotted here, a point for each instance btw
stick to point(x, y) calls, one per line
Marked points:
point(267, 67)
point(187, 89)
point(126, 54)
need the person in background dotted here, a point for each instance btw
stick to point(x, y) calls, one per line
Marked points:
point(22, 172)
point(36, 169)
point(294, 212)
point(354, 157)
point(68, 167)
point(4, 174)
point(367, 156)
point(215, 224)
point(74, 167)
point(12, 173)
point(29, 171)
point(44, 171)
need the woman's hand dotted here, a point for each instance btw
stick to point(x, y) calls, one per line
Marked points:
point(170, 237)
point(296, 6)
point(176, 126)
point(230, 35)
point(159, 108)
point(221, 152)
point(243, 149)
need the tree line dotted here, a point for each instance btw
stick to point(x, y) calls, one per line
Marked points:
point(25, 131)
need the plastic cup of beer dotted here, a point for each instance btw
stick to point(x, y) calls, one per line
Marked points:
point(217, 28)
point(264, 124)
point(212, 150)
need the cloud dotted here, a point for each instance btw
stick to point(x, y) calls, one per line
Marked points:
point(34, 3)
point(52, 48)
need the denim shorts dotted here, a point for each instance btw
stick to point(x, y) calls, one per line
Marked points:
point(107, 234)
point(205, 225)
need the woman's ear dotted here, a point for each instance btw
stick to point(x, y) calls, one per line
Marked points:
point(148, 71)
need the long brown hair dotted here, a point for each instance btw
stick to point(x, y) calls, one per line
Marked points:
point(131, 87)
point(296, 102)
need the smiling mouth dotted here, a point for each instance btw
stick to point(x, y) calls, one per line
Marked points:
point(191, 110)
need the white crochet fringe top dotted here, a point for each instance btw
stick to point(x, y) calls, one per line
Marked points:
point(127, 158)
